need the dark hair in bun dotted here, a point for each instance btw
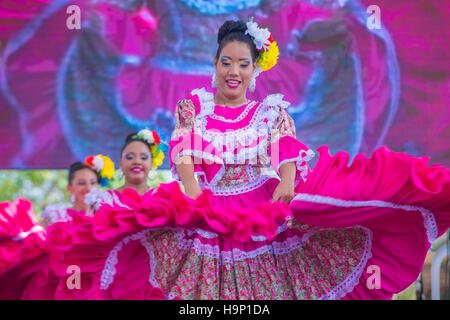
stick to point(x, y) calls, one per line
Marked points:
point(235, 31)
point(130, 138)
point(74, 167)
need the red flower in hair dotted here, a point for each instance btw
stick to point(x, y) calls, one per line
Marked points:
point(89, 161)
point(156, 137)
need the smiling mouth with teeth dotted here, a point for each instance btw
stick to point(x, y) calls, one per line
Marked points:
point(136, 170)
point(233, 83)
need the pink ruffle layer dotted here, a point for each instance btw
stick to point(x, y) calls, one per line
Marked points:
point(87, 241)
point(401, 200)
point(24, 257)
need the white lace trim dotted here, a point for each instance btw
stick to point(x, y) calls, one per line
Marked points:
point(217, 177)
point(25, 234)
point(152, 261)
point(96, 197)
point(241, 116)
point(170, 296)
point(203, 233)
point(56, 212)
point(116, 201)
point(109, 269)
point(242, 188)
point(352, 280)
point(275, 100)
point(174, 172)
point(213, 251)
point(256, 129)
point(280, 229)
point(429, 221)
point(206, 101)
point(302, 157)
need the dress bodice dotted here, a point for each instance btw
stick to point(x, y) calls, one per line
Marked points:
point(240, 138)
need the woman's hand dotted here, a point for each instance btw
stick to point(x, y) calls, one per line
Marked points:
point(185, 168)
point(284, 192)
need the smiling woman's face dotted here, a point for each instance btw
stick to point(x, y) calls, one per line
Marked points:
point(234, 69)
point(82, 182)
point(136, 162)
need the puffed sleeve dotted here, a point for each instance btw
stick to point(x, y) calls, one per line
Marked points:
point(284, 146)
point(284, 125)
point(185, 142)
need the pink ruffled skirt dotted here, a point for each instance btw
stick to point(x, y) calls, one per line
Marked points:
point(352, 232)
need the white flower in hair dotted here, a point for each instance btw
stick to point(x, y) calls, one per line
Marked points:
point(260, 36)
point(98, 163)
point(146, 135)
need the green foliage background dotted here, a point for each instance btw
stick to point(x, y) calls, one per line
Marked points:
point(43, 187)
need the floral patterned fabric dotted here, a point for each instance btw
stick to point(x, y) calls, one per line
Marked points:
point(245, 137)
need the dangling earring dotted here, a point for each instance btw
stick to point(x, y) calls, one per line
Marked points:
point(152, 174)
point(119, 173)
point(252, 83)
point(214, 80)
point(72, 198)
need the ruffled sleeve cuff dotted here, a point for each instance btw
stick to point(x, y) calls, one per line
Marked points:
point(288, 149)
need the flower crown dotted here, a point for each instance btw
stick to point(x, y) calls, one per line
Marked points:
point(154, 140)
point(102, 165)
point(264, 43)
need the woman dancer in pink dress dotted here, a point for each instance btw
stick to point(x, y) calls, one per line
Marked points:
point(336, 232)
point(140, 155)
point(82, 178)
point(357, 232)
point(24, 255)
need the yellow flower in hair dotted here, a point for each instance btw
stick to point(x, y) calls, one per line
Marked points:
point(269, 58)
point(157, 155)
point(108, 167)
